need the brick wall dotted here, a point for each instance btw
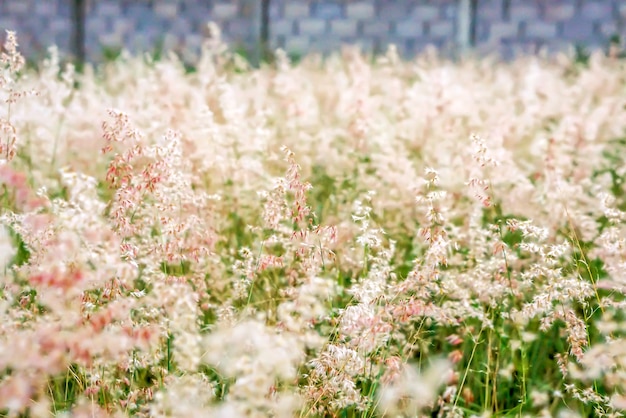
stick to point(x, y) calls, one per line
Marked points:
point(527, 26)
point(169, 24)
point(322, 26)
point(38, 23)
point(301, 26)
point(137, 25)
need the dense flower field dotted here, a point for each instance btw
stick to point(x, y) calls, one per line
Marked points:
point(350, 237)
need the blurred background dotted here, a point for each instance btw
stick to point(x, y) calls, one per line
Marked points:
point(94, 30)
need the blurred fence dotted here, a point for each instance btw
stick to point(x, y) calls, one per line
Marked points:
point(89, 29)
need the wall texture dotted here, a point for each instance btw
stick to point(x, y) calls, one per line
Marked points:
point(137, 25)
point(554, 24)
point(301, 26)
point(38, 23)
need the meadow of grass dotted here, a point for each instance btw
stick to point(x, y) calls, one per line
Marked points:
point(348, 237)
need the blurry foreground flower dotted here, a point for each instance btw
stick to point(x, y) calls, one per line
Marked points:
point(411, 391)
point(7, 252)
